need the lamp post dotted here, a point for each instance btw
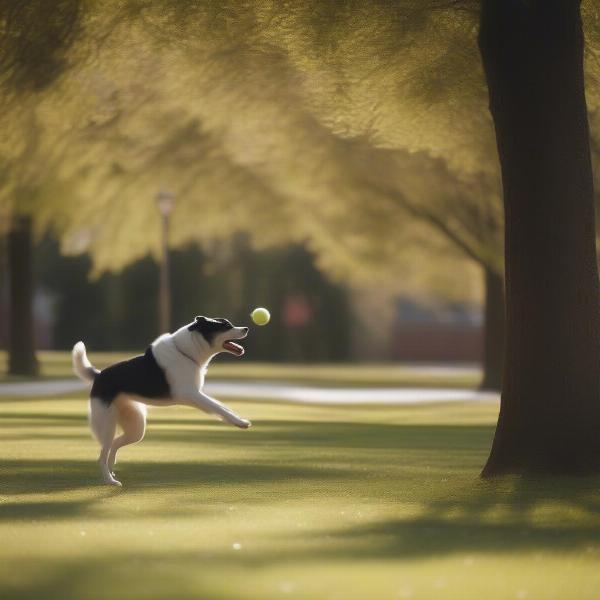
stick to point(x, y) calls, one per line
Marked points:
point(165, 201)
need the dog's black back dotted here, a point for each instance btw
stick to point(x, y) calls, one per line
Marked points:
point(138, 376)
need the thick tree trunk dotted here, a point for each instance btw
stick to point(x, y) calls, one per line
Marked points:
point(21, 346)
point(493, 341)
point(550, 412)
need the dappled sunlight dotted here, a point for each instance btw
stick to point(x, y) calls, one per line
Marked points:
point(391, 180)
point(205, 507)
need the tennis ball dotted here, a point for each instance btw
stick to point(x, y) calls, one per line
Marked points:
point(260, 316)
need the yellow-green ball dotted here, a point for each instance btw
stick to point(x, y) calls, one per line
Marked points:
point(260, 316)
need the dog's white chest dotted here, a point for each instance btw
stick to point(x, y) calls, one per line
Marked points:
point(201, 376)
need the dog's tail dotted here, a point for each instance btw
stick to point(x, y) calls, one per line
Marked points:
point(81, 365)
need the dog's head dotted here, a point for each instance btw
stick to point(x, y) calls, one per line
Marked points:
point(219, 334)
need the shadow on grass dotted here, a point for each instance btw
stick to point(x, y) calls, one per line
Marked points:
point(309, 437)
point(51, 510)
point(297, 432)
point(159, 576)
point(511, 514)
point(334, 434)
point(469, 518)
point(57, 435)
point(44, 476)
point(427, 537)
point(148, 573)
point(459, 514)
point(275, 460)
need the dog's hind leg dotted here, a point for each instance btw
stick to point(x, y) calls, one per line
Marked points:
point(131, 416)
point(103, 421)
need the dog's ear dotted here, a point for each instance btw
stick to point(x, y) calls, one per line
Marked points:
point(197, 324)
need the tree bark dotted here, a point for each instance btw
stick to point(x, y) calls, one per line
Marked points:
point(549, 419)
point(493, 341)
point(21, 343)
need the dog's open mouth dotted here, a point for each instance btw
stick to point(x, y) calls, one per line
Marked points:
point(233, 348)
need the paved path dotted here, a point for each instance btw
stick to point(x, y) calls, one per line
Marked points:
point(47, 387)
point(283, 392)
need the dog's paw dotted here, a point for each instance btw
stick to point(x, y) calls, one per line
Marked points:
point(114, 482)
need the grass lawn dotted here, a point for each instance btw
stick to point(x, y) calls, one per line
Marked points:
point(58, 365)
point(311, 503)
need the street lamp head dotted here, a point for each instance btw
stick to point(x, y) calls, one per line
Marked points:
point(165, 201)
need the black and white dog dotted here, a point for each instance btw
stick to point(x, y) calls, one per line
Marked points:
point(170, 372)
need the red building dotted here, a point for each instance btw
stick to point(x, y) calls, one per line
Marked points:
point(447, 333)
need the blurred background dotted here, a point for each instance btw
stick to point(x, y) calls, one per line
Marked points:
point(166, 159)
point(314, 317)
point(173, 159)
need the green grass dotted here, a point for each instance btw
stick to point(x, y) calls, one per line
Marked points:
point(311, 503)
point(58, 365)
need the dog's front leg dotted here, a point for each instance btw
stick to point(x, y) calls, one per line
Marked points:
point(210, 405)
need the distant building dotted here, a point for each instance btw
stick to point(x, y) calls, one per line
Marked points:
point(437, 332)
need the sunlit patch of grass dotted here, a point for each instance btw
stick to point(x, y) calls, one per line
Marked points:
point(311, 503)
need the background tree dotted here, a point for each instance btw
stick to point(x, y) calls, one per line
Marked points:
point(36, 37)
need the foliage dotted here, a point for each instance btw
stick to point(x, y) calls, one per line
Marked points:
point(358, 127)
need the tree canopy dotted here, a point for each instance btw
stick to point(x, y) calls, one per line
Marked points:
point(360, 127)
